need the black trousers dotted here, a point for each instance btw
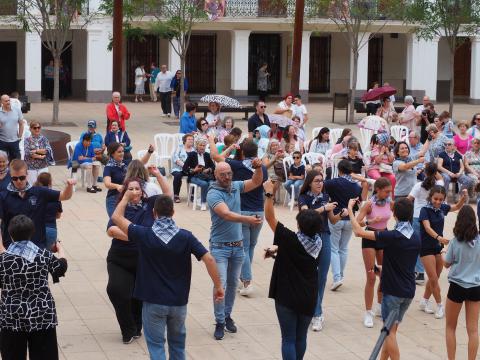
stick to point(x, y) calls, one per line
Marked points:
point(11, 148)
point(49, 88)
point(177, 182)
point(42, 345)
point(122, 270)
point(372, 108)
point(166, 102)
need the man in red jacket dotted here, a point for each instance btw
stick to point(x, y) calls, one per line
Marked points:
point(117, 112)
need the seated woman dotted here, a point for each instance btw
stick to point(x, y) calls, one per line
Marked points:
point(387, 111)
point(214, 117)
point(84, 155)
point(275, 132)
point(178, 160)
point(117, 135)
point(227, 126)
point(436, 142)
point(321, 144)
point(463, 140)
point(450, 165)
point(290, 140)
point(38, 152)
point(29, 316)
point(471, 161)
point(261, 139)
point(381, 159)
point(5, 178)
point(297, 122)
point(445, 124)
point(285, 107)
point(202, 130)
point(273, 161)
point(199, 167)
point(294, 283)
point(475, 126)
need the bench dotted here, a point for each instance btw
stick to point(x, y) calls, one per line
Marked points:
point(246, 109)
point(25, 104)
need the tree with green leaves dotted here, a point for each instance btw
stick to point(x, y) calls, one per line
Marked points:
point(52, 20)
point(358, 21)
point(453, 19)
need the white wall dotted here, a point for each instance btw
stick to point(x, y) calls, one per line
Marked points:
point(395, 61)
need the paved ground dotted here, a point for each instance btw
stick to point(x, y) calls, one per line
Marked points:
point(87, 326)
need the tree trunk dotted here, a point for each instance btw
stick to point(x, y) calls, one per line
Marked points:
point(56, 87)
point(452, 81)
point(182, 88)
point(353, 89)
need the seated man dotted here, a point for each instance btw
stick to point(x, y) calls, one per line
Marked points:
point(97, 141)
point(84, 158)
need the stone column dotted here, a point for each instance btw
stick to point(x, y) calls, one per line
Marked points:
point(362, 68)
point(33, 67)
point(174, 62)
point(475, 72)
point(99, 62)
point(422, 58)
point(239, 62)
point(305, 66)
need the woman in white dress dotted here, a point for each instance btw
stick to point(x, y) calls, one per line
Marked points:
point(140, 78)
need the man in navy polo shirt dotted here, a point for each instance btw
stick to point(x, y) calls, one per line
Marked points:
point(251, 204)
point(341, 190)
point(21, 198)
point(164, 274)
point(226, 236)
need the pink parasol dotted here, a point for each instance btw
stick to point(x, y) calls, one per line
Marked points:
point(379, 93)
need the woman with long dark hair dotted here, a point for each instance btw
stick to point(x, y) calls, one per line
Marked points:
point(321, 143)
point(463, 259)
point(312, 197)
point(290, 141)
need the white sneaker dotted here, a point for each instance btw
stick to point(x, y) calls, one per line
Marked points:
point(440, 313)
point(203, 207)
point(240, 285)
point(428, 308)
point(368, 319)
point(377, 310)
point(422, 304)
point(247, 291)
point(168, 114)
point(317, 323)
point(336, 285)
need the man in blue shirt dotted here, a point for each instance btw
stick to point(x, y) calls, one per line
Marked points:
point(164, 273)
point(188, 122)
point(97, 141)
point(226, 235)
point(21, 198)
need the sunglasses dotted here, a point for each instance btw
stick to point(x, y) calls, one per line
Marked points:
point(263, 107)
point(477, 118)
point(36, 127)
point(296, 157)
point(16, 178)
point(449, 144)
point(204, 124)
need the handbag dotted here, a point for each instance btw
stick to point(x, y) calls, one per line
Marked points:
point(386, 168)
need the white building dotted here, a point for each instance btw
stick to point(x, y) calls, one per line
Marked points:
point(224, 57)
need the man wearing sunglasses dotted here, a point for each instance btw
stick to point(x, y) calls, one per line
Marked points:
point(21, 198)
point(258, 119)
point(11, 128)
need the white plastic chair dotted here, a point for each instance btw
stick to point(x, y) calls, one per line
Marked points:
point(26, 133)
point(313, 158)
point(70, 150)
point(365, 136)
point(194, 190)
point(335, 135)
point(164, 144)
point(287, 162)
point(315, 131)
point(399, 133)
point(335, 162)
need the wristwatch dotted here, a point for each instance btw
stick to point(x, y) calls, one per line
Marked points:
point(268, 195)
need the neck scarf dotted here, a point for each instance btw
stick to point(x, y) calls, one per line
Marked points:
point(316, 198)
point(380, 202)
point(137, 206)
point(12, 188)
point(430, 206)
point(405, 228)
point(25, 249)
point(248, 164)
point(347, 177)
point(406, 159)
point(4, 171)
point(165, 228)
point(311, 245)
point(114, 163)
point(472, 242)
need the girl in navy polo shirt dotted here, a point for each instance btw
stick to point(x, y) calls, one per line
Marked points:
point(432, 220)
point(312, 197)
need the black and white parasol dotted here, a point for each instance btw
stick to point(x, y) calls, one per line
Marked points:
point(221, 100)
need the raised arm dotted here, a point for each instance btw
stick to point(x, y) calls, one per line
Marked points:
point(214, 151)
point(166, 188)
point(115, 232)
point(410, 165)
point(460, 202)
point(118, 216)
point(67, 192)
point(147, 155)
point(257, 177)
point(269, 209)
point(357, 229)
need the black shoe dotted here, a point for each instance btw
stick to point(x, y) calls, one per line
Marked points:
point(219, 331)
point(91, 190)
point(230, 325)
point(127, 339)
point(138, 334)
point(420, 278)
point(97, 189)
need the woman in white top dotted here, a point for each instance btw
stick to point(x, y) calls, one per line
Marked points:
point(140, 78)
point(285, 107)
point(214, 117)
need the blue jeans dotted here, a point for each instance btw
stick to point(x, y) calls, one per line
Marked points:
point(50, 237)
point(204, 184)
point(155, 318)
point(111, 204)
point(464, 181)
point(416, 227)
point(297, 184)
point(176, 105)
point(294, 329)
point(340, 236)
point(229, 261)
point(393, 303)
point(250, 237)
point(323, 265)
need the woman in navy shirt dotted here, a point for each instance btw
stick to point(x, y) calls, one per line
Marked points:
point(432, 220)
point(312, 197)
